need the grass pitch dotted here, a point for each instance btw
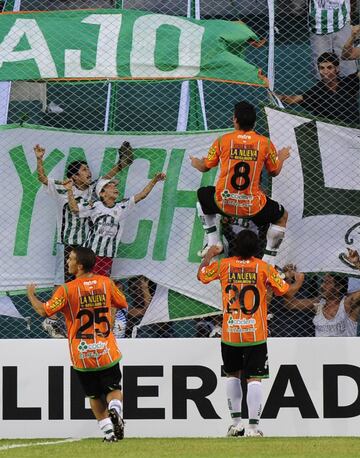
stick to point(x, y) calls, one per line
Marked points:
point(269, 447)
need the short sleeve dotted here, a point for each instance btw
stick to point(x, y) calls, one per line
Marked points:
point(272, 159)
point(126, 205)
point(85, 209)
point(55, 189)
point(278, 285)
point(210, 273)
point(57, 302)
point(118, 299)
point(213, 155)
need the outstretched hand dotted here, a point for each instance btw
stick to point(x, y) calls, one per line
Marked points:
point(161, 176)
point(284, 153)
point(31, 288)
point(39, 151)
point(353, 256)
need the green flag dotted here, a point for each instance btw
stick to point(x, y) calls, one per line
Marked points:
point(123, 44)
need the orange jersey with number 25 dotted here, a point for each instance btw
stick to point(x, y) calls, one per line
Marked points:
point(86, 304)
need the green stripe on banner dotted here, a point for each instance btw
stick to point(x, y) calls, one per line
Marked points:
point(181, 306)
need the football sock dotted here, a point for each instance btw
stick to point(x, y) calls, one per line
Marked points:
point(234, 397)
point(117, 405)
point(274, 237)
point(254, 398)
point(209, 225)
point(106, 427)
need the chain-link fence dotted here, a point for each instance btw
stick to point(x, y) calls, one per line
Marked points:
point(53, 93)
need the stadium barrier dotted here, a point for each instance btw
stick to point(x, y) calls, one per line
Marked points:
point(174, 388)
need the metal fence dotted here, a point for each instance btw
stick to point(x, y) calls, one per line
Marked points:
point(316, 113)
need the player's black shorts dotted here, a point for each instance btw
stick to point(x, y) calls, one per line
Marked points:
point(98, 383)
point(252, 360)
point(271, 213)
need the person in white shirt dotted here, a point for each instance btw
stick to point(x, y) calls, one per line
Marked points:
point(336, 311)
point(107, 218)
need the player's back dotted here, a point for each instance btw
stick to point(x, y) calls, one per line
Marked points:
point(88, 320)
point(244, 288)
point(242, 157)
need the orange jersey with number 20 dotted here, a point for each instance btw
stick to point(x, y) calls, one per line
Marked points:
point(244, 284)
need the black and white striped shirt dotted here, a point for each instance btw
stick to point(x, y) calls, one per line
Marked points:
point(107, 225)
point(71, 228)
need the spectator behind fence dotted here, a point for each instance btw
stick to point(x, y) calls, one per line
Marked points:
point(350, 51)
point(293, 323)
point(336, 312)
point(329, 24)
point(107, 218)
point(72, 230)
point(244, 283)
point(86, 304)
point(334, 97)
point(242, 155)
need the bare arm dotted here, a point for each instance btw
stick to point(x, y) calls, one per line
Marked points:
point(126, 158)
point(212, 252)
point(293, 303)
point(73, 205)
point(283, 154)
point(349, 52)
point(290, 99)
point(35, 302)
point(199, 164)
point(149, 187)
point(39, 153)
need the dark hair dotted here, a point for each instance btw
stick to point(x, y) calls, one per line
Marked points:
point(85, 257)
point(245, 115)
point(74, 167)
point(341, 283)
point(246, 244)
point(328, 57)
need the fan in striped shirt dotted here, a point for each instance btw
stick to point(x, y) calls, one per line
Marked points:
point(72, 230)
point(107, 219)
point(329, 26)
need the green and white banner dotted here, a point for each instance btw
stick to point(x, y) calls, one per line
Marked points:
point(123, 44)
point(320, 187)
point(161, 236)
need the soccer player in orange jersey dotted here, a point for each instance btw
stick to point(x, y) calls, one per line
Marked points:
point(242, 155)
point(244, 283)
point(86, 304)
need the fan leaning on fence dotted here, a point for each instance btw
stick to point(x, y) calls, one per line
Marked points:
point(107, 217)
point(72, 229)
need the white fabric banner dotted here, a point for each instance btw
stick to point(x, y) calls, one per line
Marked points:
point(320, 188)
point(161, 236)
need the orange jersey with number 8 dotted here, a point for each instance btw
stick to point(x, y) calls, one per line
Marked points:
point(244, 285)
point(242, 156)
point(86, 304)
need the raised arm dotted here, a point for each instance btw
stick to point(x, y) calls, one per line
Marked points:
point(283, 154)
point(39, 153)
point(290, 99)
point(126, 158)
point(149, 187)
point(35, 302)
point(199, 164)
point(73, 205)
point(293, 303)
